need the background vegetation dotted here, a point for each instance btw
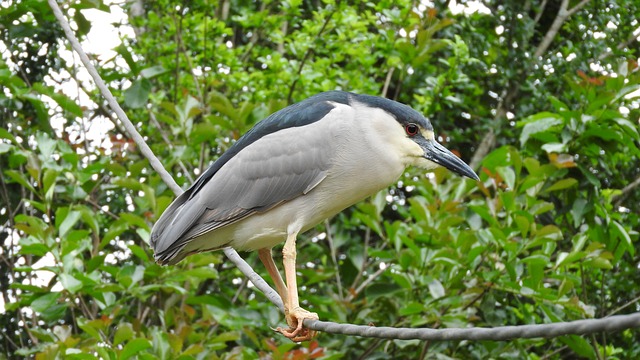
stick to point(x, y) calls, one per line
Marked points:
point(541, 96)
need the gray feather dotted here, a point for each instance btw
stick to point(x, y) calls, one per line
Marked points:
point(272, 170)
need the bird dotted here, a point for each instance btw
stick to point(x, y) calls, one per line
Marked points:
point(296, 168)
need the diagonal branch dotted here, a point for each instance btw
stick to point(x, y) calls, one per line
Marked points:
point(306, 56)
point(489, 139)
point(625, 191)
point(146, 151)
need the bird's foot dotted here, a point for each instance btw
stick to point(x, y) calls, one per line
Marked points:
point(296, 331)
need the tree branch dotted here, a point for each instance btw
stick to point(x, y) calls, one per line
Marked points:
point(625, 191)
point(146, 151)
point(489, 139)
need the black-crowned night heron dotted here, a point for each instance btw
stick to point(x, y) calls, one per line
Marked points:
point(294, 169)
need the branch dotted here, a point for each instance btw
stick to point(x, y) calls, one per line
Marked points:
point(489, 139)
point(561, 17)
point(306, 56)
point(133, 132)
point(501, 333)
point(625, 191)
point(334, 257)
point(146, 151)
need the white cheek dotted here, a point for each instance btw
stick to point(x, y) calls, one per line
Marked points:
point(423, 163)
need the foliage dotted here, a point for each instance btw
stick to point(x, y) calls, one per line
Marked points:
point(548, 235)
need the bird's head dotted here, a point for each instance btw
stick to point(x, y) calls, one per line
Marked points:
point(411, 135)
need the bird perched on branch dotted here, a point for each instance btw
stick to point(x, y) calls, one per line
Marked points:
point(294, 169)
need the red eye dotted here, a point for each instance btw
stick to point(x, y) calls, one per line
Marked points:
point(412, 129)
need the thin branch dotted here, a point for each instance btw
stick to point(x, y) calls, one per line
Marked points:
point(164, 136)
point(543, 5)
point(182, 49)
point(306, 56)
point(365, 256)
point(146, 151)
point(577, 8)
point(624, 306)
point(334, 257)
point(131, 129)
point(366, 283)
point(387, 81)
point(563, 14)
point(625, 191)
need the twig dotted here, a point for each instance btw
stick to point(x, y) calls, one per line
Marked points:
point(306, 56)
point(619, 198)
point(334, 258)
point(625, 306)
point(366, 283)
point(387, 81)
point(365, 256)
point(164, 136)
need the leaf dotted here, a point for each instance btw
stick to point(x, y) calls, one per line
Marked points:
point(578, 210)
point(508, 175)
point(70, 283)
point(61, 99)
point(69, 222)
point(537, 123)
point(153, 71)
point(84, 25)
point(123, 333)
point(411, 309)
point(137, 95)
point(20, 178)
point(134, 347)
point(436, 289)
point(4, 148)
point(48, 182)
point(620, 232)
point(561, 185)
point(42, 303)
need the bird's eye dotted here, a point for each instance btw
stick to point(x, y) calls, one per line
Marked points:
point(412, 129)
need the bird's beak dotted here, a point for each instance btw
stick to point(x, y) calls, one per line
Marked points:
point(440, 155)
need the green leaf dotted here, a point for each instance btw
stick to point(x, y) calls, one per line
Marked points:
point(4, 148)
point(508, 175)
point(61, 99)
point(70, 283)
point(561, 185)
point(48, 182)
point(20, 178)
point(620, 232)
point(537, 123)
point(134, 347)
point(123, 333)
point(153, 71)
point(436, 289)
point(69, 222)
point(44, 302)
point(137, 95)
point(412, 309)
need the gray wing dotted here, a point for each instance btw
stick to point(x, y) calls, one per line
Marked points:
point(276, 168)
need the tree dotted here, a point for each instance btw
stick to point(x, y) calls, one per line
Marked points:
point(542, 95)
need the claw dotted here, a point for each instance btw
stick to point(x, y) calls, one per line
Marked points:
point(297, 332)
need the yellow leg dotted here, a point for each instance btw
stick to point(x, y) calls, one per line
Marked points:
point(295, 315)
point(267, 259)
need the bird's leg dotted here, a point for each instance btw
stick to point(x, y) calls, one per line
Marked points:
point(294, 314)
point(267, 259)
